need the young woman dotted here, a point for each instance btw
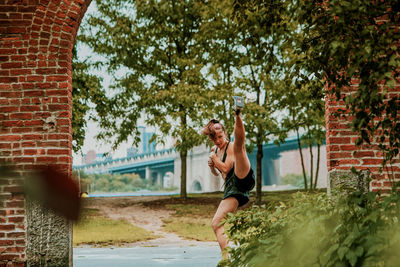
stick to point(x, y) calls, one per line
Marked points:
point(231, 161)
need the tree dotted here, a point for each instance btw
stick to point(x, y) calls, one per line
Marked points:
point(302, 101)
point(219, 40)
point(259, 66)
point(341, 42)
point(358, 40)
point(155, 44)
point(305, 114)
point(86, 90)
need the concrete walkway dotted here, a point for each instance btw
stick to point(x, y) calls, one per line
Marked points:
point(193, 256)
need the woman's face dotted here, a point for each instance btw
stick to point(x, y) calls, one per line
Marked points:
point(220, 139)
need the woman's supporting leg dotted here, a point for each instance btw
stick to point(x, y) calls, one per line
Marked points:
point(242, 162)
point(227, 205)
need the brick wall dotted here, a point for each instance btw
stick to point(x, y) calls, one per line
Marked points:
point(36, 40)
point(342, 152)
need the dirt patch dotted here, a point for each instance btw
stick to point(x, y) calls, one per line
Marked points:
point(161, 203)
point(148, 212)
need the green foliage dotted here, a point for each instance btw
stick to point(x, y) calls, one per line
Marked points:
point(293, 179)
point(317, 230)
point(182, 61)
point(256, 61)
point(336, 44)
point(130, 182)
point(292, 88)
point(304, 109)
point(343, 41)
point(156, 44)
point(86, 90)
point(219, 41)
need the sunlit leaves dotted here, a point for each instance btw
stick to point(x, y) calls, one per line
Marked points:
point(358, 40)
point(318, 230)
point(86, 90)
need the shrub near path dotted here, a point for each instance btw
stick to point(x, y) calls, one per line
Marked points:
point(319, 230)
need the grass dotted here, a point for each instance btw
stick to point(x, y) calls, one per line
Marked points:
point(192, 210)
point(186, 228)
point(94, 229)
point(193, 229)
point(191, 221)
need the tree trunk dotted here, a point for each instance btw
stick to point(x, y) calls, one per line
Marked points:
point(183, 156)
point(311, 168)
point(317, 171)
point(183, 153)
point(302, 160)
point(259, 173)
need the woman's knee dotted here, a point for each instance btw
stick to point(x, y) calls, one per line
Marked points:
point(215, 224)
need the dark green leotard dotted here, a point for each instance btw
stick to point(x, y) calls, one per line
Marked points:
point(235, 187)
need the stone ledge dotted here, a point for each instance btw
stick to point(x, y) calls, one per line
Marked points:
point(48, 237)
point(348, 181)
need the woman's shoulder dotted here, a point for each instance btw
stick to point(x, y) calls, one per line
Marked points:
point(230, 147)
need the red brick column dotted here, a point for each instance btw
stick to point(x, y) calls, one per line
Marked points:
point(342, 152)
point(36, 40)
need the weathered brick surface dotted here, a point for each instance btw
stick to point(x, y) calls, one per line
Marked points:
point(36, 40)
point(342, 152)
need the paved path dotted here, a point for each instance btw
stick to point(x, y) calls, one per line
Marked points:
point(193, 256)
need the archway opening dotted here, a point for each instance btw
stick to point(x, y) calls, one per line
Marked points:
point(196, 186)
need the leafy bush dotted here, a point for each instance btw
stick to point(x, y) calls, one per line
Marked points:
point(116, 183)
point(318, 230)
point(293, 179)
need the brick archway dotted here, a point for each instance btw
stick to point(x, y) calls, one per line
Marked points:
point(36, 40)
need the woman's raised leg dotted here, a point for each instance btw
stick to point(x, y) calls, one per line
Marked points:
point(242, 162)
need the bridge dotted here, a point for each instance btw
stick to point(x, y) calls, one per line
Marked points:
point(163, 166)
point(152, 165)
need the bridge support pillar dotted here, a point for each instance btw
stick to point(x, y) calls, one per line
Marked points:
point(148, 174)
point(159, 179)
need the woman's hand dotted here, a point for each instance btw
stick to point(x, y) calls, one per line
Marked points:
point(210, 163)
point(213, 157)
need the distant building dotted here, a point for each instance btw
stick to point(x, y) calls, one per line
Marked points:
point(144, 146)
point(147, 146)
point(91, 157)
point(131, 152)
